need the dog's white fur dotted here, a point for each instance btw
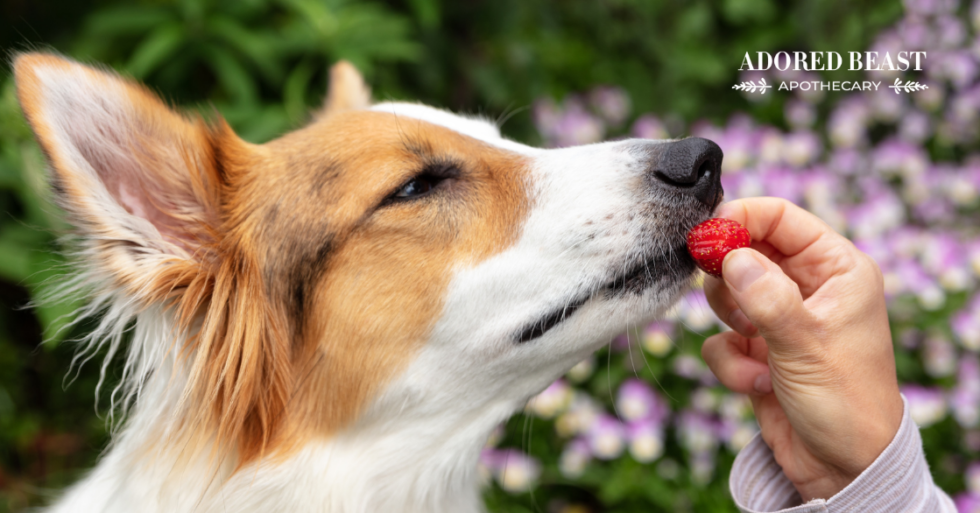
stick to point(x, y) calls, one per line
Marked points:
point(416, 447)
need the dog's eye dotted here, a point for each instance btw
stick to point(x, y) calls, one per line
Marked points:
point(418, 186)
point(432, 176)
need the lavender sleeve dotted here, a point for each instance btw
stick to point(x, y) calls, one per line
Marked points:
point(899, 480)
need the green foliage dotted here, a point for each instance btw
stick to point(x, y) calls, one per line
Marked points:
point(262, 63)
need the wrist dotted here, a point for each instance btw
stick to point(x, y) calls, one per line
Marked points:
point(823, 487)
point(848, 453)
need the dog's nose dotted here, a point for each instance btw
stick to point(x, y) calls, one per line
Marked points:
point(691, 166)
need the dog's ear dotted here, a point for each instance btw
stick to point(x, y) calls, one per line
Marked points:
point(146, 187)
point(141, 182)
point(347, 90)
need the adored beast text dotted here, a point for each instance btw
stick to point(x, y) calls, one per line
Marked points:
point(832, 61)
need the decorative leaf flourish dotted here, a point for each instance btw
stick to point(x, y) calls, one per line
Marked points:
point(909, 86)
point(752, 87)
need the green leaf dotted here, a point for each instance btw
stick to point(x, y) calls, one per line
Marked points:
point(428, 12)
point(294, 94)
point(234, 79)
point(316, 14)
point(15, 262)
point(256, 46)
point(127, 20)
point(156, 48)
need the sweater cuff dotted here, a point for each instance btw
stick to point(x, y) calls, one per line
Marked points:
point(899, 480)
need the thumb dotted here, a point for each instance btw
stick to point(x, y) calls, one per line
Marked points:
point(770, 299)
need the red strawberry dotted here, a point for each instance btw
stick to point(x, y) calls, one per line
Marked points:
point(711, 240)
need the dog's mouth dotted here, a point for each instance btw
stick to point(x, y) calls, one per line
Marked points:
point(673, 264)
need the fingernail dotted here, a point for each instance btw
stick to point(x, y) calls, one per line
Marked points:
point(740, 323)
point(763, 384)
point(741, 269)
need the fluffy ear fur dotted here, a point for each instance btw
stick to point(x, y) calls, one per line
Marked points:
point(347, 89)
point(139, 181)
point(146, 189)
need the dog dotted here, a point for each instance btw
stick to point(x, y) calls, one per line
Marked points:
point(336, 320)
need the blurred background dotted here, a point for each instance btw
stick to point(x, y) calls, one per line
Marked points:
point(642, 426)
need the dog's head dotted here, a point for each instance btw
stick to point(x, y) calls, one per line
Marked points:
point(383, 262)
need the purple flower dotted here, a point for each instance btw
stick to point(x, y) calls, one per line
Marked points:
point(876, 248)
point(929, 294)
point(967, 502)
point(739, 148)
point(933, 210)
point(782, 183)
point(738, 434)
point(657, 338)
point(821, 189)
point(930, 99)
point(694, 311)
point(552, 401)
point(800, 114)
point(636, 401)
point(705, 400)
point(939, 356)
point(944, 257)
point(951, 31)
point(646, 442)
point(515, 471)
point(847, 161)
point(579, 417)
point(576, 126)
point(568, 125)
point(880, 212)
point(574, 458)
point(963, 186)
point(545, 114)
point(801, 148)
point(926, 405)
point(957, 66)
point(768, 146)
point(621, 342)
point(965, 398)
point(735, 407)
point(689, 366)
point(888, 107)
point(895, 157)
point(847, 126)
point(966, 327)
point(649, 127)
point(966, 407)
point(972, 475)
point(702, 467)
point(607, 437)
point(612, 103)
point(914, 30)
point(698, 432)
point(973, 252)
point(581, 371)
point(915, 126)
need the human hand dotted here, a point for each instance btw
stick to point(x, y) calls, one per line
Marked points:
point(811, 344)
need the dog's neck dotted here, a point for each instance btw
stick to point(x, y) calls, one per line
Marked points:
point(398, 457)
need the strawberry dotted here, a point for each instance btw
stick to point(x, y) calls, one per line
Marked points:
point(711, 240)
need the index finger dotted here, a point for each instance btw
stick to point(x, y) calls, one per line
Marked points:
point(807, 249)
point(787, 227)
